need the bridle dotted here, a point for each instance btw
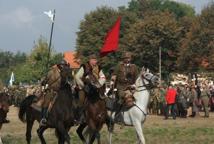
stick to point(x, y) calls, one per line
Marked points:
point(60, 77)
point(146, 86)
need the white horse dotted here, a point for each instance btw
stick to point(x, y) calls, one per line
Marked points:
point(1, 140)
point(136, 115)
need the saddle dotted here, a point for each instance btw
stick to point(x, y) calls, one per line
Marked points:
point(40, 100)
point(129, 100)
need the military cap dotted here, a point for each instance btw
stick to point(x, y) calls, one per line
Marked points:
point(63, 62)
point(126, 55)
point(93, 56)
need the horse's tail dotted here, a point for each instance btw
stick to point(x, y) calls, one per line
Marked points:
point(24, 105)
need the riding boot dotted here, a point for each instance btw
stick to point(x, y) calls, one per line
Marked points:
point(110, 123)
point(184, 114)
point(118, 109)
point(118, 115)
point(44, 112)
point(193, 114)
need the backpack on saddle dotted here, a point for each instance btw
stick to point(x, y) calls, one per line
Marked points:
point(129, 97)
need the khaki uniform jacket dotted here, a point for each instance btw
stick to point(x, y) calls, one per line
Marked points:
point(126, 75)
point(80, 74)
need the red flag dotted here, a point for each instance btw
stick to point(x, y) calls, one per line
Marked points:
point(111, 39)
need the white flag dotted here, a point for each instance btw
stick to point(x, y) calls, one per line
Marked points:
point(49, 14)
point(12, 79)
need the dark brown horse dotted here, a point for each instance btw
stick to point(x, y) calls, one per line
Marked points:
point(95, 110)
point(28, 115)
point(60, 117)
point(4, 108)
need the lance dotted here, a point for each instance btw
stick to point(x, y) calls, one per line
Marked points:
point(52, 16)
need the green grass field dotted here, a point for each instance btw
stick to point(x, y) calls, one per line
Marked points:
point(156, 131)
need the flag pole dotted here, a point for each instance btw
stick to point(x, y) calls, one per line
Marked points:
point(50, 42)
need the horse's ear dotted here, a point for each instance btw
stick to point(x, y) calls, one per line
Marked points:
point(143, 69)
point(147, 70)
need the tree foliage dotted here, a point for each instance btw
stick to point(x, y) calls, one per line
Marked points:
point(197, 47)
point(94, 28)
point(178, 9)
point(146, 26)
point(160, 30)
point(27, 68)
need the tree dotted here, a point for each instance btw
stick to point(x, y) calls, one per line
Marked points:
point(146, 36)
point(177, 8)
point(197, 48)
point(94, 28)
point(6, 59)
point(8, 62)
point(35, 66)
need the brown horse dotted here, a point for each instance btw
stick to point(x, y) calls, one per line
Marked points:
point(60, 117)
point(28, 114)
point(95, 110)
point(4, 108)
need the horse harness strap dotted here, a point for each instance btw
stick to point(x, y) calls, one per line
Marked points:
point(52, 102)
point(145, 113)
point(55, 79)
point(144, 85)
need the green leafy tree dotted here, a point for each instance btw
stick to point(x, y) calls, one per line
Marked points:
point(35, 66)
point(177, 8)
point(148, 35)
point(94, 28)
point(197, 48)
point(6, 59)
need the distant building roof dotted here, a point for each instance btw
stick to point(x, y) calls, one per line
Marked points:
point(69, 56)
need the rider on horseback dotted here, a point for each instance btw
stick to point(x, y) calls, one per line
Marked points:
point(51, 84)
point(124, 78)
point(91, 67)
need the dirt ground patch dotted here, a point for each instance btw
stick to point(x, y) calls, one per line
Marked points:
point(156, 130)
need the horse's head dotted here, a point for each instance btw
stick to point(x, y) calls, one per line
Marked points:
point(93, 87)
point(65, 73)
point(149, 78)
point(4, 101)
point(90, 79)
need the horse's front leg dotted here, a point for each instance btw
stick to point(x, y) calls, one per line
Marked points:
point(40, 132)
point(138, 127)
point(60, 137)
point(62, 131)
point(97, 135)
point(80, 130)
point(1, 140)
point(28, 130)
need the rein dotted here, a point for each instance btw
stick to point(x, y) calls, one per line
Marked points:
point(58, 79)
point(145, 86)
point(55, 79)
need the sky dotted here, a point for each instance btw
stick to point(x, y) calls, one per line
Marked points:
point(22, 22)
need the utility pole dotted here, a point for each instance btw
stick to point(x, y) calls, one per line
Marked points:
point(160, 66)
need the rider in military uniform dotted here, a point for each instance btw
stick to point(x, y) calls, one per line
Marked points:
point(91, 67)
point(51, 84)
point(124, 77)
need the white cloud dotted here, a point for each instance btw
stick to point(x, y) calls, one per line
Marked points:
point(19, 17)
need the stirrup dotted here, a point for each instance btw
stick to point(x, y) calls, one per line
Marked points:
point(43, 122)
